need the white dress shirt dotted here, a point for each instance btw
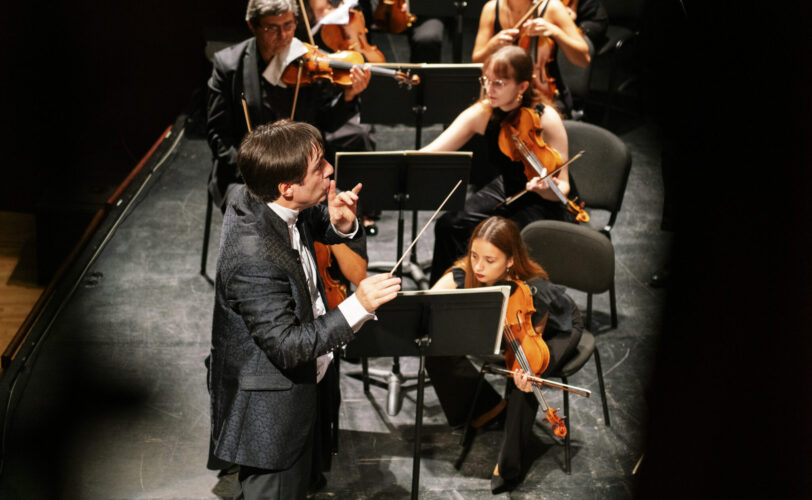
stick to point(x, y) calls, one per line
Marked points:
point(350, 308)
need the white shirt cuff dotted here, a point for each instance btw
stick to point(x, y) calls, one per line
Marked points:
point(350, 234)
point(354, 312)
point(322, 363)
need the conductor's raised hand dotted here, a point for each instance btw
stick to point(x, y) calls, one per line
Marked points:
point(377, 290)
point(342, 207)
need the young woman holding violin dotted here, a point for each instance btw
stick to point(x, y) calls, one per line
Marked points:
point(507, 94)
point(497, 255)
point(501, 23)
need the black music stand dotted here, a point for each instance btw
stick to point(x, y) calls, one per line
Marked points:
point(430, 323)
point(458, 9)
point(445, 90)
point(397, 181)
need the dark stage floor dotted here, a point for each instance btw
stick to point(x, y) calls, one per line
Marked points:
point(117, 403)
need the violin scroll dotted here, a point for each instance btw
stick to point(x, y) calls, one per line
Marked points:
point(557, 423)
point(406, 78)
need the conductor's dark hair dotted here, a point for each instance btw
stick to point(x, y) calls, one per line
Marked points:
point(277, 152)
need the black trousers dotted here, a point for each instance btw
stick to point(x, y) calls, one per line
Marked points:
point(453, 229)
point(288, 484)
point(455, 379)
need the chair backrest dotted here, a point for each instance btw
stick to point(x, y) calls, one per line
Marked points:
point(602, 172)
point(575, 256)
point(575, 77)
point(624, 12)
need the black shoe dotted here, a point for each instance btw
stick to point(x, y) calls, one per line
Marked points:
point(501, 485)
point(316, 485)
point(659, 279)
point(371, 230)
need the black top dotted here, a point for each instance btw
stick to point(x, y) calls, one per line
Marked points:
point(512, 172)
point(552, 65)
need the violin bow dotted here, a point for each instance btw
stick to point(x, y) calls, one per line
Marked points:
point(518, 195)
point(528, 13)
point(301, 63)
point(245, 111)
point(425, 226)
point(543, 381)
point(307, 22)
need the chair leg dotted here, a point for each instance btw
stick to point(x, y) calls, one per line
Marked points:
point(365, 374)
point(610, 87)
point(567, 437)
point(613, 305)
point(470, 418)
point(600, 383)
point(204, 254)
point(589, 311)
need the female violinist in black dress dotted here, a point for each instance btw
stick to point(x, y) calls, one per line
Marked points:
point(506, 87)
point(496, 255)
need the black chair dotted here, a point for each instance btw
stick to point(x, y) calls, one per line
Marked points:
point(553, 245)
point(575, 256)
point(601, 174)
point(623, 30)
point(577, 79)
point(585, 350)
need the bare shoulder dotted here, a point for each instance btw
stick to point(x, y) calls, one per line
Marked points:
point(550, 119)
point(478, 115)
point(488, 9)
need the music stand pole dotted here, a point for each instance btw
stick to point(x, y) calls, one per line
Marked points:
point(429, 323)
point(422, 344)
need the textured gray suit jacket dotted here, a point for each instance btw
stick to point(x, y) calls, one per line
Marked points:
point(264, 338)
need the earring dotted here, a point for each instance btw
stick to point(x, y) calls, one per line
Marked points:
point(508, 271)
point(519, 98)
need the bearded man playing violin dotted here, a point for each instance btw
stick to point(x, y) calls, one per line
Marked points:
point(252, 70)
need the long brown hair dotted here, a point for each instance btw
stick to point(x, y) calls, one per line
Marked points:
point(503, 234)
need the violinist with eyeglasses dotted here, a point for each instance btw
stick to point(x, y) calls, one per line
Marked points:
point(246, 87)
point(540, 26)
point(507, 95)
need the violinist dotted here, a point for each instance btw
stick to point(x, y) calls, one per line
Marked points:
point(506, 89)
point(591, 18)
point(497, 28)
point(251, 70)
point(497, 255)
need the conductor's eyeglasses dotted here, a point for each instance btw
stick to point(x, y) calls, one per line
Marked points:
point(497, 84)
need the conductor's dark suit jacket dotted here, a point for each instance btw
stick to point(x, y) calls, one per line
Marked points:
point(236, 72)
point(265, 340)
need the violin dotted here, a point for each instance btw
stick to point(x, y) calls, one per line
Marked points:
point(520, 140)
point(542, 52)
point(527, 351)
point(391, 16)
point(335, 68)
point(351, 36)
point(335, 290)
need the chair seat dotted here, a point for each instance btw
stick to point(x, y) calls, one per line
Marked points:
point(586, 346)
